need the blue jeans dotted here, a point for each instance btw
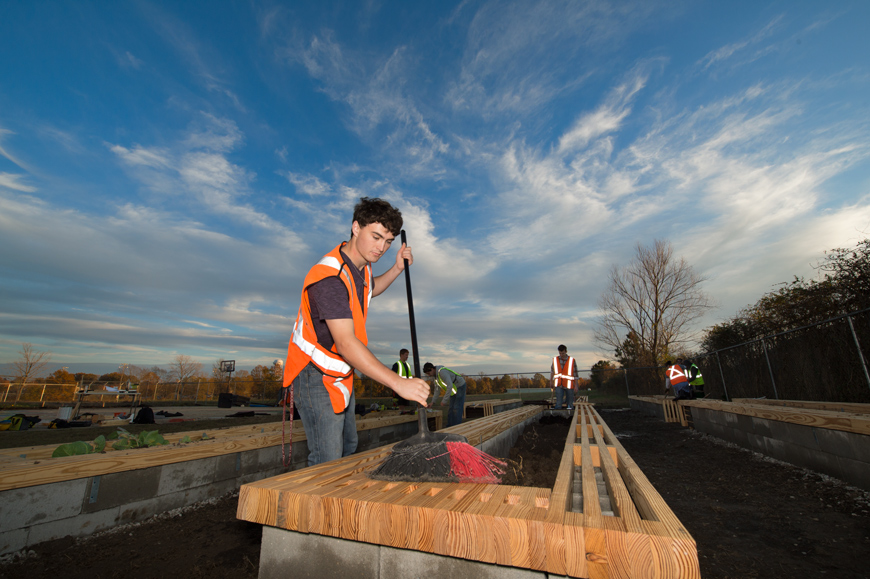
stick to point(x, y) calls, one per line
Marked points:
point(457, 404)
point(330, 435)
point(560, 395)
point(570, 393)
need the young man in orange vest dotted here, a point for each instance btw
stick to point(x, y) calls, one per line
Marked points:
point(563, 378)
point(329, 337)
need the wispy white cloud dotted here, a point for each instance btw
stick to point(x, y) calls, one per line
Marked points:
point(13, 181)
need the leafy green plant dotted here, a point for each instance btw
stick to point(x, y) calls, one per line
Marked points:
point(125, 441)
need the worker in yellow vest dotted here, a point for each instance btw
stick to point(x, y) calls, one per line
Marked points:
point(563, 378)
point(329, 339)
point(403, 369)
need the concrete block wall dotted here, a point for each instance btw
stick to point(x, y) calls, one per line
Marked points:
point(84, 506)
point(648, 408)
point(844, 455)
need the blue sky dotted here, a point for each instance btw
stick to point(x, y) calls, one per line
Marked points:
point(170, 170)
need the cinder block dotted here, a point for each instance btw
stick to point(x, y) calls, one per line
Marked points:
point(228, 466)
point(78, 526)
point(141, 510)
point(756, 442)
point(776, 449)
point(761, 426)
point(729, 419)
point(403, 563)
point(794, 434)
point(40, 504)
point(855, 472)
point(316, 556)
point(745, 423)
point(184, 475)
point(850, 445)
point(121, 488)
point(13, 541)
point(818, 461)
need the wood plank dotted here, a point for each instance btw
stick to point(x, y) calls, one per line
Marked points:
point(530, 528)
point(830, 419)
point(852, 407)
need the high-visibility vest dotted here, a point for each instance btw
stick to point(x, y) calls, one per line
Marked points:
point(698, 380)
point(404, 369)
point(441, 383)
point(563, 375)
point(676, 375)
point(303, 347)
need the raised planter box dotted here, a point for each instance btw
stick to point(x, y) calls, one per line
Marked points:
point(602, 518)
point(43, 498)
point(827, 437)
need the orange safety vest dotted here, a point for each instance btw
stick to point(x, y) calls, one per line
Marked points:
point(563, 375)
point(676, 375)
point(303, 347)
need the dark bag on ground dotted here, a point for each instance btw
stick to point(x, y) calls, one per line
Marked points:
point(144, 416)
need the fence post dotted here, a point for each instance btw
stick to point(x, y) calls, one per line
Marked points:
point(769, 369)
point(196, 396)
point(8, 386)
point(625, 375)
point(860, 353)
point(722, 374)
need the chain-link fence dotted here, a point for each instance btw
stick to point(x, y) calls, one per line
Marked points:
point(825, 362)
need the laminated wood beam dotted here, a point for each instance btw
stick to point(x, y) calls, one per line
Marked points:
point(532, 528)
point(830, 419)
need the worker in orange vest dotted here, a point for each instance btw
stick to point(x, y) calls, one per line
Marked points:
point(677, 379)
point(563, 378)
point(329, 337)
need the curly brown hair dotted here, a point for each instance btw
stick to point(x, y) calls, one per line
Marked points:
point(376, 210)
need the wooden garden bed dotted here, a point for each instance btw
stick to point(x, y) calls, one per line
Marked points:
point(618, 527)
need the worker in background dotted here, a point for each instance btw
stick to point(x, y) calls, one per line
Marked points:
point(696, 379)
point(676, 378)
point(403, 369)
point(453, 389)
point(329, 337)
point(563, 378)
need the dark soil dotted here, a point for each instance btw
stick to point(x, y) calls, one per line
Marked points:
point(751, 517)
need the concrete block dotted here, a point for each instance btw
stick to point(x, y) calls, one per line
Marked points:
point(729, 419)
point(756, 442)
point(761, 426)
point(776, 449)
point(120, 488)
point(78, 526)
point(40, 504)
point(850, 445)
point(855, 472)
point(817, 460)
point(315, 556)
point(403, 563)
point(184, 475)
point(12, 541)
point(794, 434)
point(745, 423)
point(141, 510)
point(228, 466)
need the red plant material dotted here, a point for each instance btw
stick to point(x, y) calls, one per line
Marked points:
point(471, 465)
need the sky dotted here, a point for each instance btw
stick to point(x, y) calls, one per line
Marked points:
point(169, 171)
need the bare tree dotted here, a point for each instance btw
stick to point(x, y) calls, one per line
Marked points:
point(29, 365)
point(649, 306)
point(184, 367)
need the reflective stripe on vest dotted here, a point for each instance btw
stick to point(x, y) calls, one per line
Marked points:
point(304, 348)
point(441, 383)
point(404, 369)
point(676, 375)
point(698, 380)
point(563, 374)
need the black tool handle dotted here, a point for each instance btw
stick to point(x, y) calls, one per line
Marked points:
point(422, 417)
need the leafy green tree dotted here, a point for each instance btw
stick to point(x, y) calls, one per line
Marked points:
point(601, 371)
